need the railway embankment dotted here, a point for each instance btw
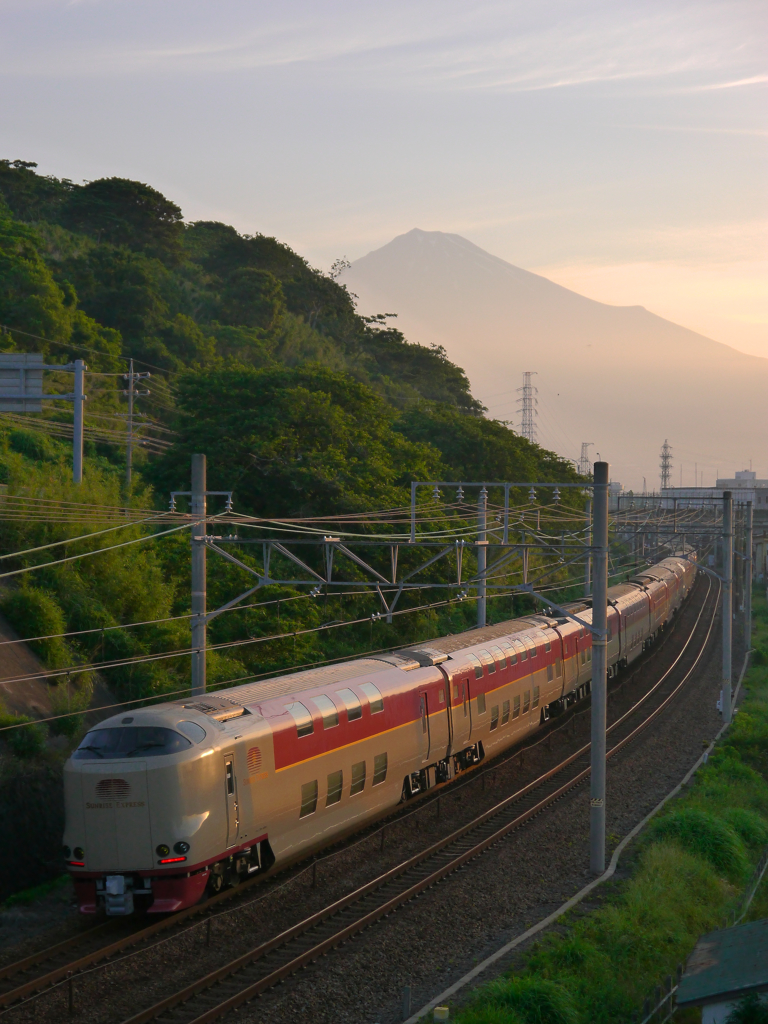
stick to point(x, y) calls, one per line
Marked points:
point(683, 876)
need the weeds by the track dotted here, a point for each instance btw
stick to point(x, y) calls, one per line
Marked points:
point(689, 872)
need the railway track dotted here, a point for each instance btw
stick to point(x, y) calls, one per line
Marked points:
point(49, 968)
point(269, 963)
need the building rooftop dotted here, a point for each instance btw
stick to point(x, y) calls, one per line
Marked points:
point(726, 964)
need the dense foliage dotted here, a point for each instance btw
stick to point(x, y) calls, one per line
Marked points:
point(304, 408)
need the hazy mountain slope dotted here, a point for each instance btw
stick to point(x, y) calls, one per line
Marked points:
point(615, 375)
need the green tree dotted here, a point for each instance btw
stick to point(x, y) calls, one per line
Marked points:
point(129, 213)
point(303, 441)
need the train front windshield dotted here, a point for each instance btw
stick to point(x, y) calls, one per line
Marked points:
point(130, 741)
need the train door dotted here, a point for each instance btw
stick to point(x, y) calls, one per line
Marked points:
point(424, 713)
point(233, 811)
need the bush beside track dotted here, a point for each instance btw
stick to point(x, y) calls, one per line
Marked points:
point(688, 871)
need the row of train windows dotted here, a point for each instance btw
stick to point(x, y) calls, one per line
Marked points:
point(506, 658)
point(335, 785)
point(302, 716)
point(528, 704)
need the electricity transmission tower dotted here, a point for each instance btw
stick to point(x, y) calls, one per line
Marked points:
point(584, 465)
point(666, 464)
point(528, 403)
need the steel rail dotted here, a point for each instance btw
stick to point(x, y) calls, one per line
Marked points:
point(319, 945)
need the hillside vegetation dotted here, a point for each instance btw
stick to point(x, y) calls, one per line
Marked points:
point(303, 407)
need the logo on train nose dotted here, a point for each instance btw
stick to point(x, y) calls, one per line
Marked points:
point(254, 760)
point(113, 789)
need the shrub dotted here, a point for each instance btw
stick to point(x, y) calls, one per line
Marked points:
point(707, 836)
point(531, 999)
point(67, 698)
point(751, 827)
point(749, 1010)
point(33, 612)
point(26, 741)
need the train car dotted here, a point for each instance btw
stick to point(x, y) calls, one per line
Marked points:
point(166, 803)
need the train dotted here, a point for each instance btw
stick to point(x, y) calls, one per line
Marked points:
point(168, 804)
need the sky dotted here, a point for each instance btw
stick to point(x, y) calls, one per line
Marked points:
point(617, 147)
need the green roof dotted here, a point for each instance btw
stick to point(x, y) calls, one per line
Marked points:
point(726, 964)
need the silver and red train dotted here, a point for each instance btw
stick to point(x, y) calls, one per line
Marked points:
point(166, 803)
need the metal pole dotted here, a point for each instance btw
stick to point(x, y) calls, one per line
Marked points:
point(482, 555)
point(748, 583)
point(77, 436)
point(599, 669)
point(129, 453)
point(588, 561)
point(725, 694)
point(198, 575)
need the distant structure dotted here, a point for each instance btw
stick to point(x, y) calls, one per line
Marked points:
point(666, 464)
point(528, 403)
point(584, 465)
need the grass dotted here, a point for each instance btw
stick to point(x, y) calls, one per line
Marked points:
point(689, 870)
point(37, 892)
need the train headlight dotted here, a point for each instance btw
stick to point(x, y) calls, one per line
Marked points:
point(79, 852)
point(181, 847)
point(67, 853)
point(163, 850)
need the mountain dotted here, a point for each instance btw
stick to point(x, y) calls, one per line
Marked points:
point(617, 376)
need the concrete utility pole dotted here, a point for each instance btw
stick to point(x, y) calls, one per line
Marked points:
point(199, 627)
point(79, 410)
point(599, 669)
point(725, 693)
point(588, 559)
point(482, 556)
point(748, 581)
point(132, 393)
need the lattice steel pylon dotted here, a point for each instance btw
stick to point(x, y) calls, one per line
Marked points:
point(584, 464)
point(666, 464)
point(528, 403)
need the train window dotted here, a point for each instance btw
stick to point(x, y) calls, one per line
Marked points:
point(583, 657)
point(335, 786)
point(488, 661)
point(229, 774)
point(191, 729)
point(526, 702)
point(589, 654)
point(375, 700)
point(610, 630)
point(521, 649)
point(130, 741)
point(351, 703)
point(511, 656)
point(550, 673)
point(327, 709)
point(379, 769)
point(516, 707)
point(456, 691)
point(547, 644)
point(423, 712)
point(530, 644)
point(499, 656)
point(505, 712)
point(464, 689)
point(301, 716)
point(535, 702)
point(358, 778)
point(558, 667)
point(441, 696)
point(478, 666)
point(481, 703)
point(494, 717)
point(308, 799)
